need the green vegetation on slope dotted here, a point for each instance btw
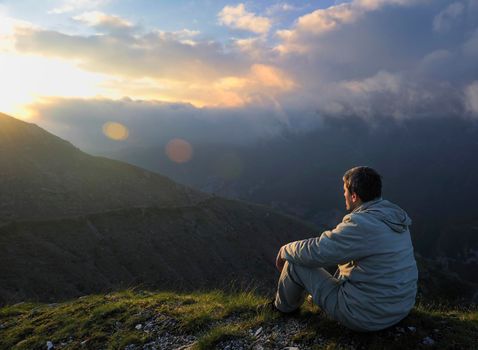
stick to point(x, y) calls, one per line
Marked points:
point(133, 319)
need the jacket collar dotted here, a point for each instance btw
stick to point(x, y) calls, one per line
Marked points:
point(365, 205)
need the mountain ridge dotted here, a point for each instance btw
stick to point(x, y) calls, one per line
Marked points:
point(43, 175)
point(74, 224)
point(428, 167)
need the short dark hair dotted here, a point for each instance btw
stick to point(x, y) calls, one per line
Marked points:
point(364, 181)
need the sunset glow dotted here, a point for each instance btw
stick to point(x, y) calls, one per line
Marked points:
point(26, 79)
point(38, 63)
point(277, 56)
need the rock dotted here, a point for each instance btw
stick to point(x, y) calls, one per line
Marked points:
point(428, 341)
point(149, 326)
point(412, 329)
point(291, 348)
point(259, 331)
point(49, 345)
point(138, 326)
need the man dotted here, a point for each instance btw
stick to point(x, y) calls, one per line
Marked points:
point(377, 283)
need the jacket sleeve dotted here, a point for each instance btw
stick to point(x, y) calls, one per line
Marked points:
point(344, 243)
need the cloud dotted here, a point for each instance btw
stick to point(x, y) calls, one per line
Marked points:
point(380, 59)
point(471, 95)
point(256, 48)
point(81, 121)
point(156, 54)
point(367, 58)
point(470, 47)
point(322, 21)
point(74, 5)
point(391, 95)
point(170, 66)
point(238, 18)
point(447, 17)
point(8, 27)
point(280, 8)
point(103, 21)
point(381, 82)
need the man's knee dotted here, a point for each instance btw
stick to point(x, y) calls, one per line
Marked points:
point(293, 271)
point(316, 281)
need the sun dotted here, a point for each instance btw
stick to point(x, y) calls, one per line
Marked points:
point(28, 78)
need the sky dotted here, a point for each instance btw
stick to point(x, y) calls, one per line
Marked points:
point(73, 66)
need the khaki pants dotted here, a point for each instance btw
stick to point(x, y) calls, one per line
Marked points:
point(296, 281)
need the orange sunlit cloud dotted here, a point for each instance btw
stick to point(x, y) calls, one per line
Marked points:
point(38, 64)
point(227, 91)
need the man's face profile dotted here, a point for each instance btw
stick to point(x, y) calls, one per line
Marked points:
point(351, 199)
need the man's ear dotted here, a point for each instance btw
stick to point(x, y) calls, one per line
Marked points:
point(355, 197)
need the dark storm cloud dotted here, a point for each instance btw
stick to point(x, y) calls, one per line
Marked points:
point(415, 56)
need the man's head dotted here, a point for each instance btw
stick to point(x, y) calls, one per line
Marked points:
point(361, 184)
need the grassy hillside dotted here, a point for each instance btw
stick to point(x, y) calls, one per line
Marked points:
point(147, 320)
point(208, 244)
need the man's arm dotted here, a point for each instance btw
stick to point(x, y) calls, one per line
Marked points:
point(344, 243)
point(280, 261)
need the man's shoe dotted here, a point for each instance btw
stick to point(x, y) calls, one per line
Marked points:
point(270, 307)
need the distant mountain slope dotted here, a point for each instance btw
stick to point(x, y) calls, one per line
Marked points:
point(73, 224)
point(429, 167)
point(216, 243)
point(43, 176)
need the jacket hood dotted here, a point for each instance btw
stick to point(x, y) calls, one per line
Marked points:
point(391, 214)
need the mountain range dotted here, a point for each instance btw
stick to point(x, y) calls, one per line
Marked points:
point(428, 166)
point(74, 224)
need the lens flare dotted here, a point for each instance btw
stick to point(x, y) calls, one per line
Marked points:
point(115, 131)
point(179, 150)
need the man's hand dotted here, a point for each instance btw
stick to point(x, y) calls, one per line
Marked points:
point(280, 262)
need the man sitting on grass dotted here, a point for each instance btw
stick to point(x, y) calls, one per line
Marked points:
point(377, 284)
